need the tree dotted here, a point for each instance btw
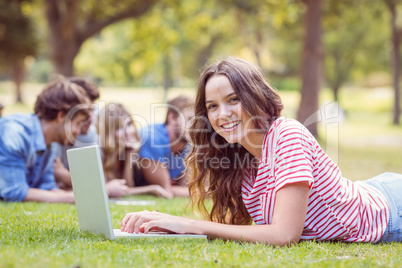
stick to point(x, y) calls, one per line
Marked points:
point(72, 22)
point(207, 31)
point(349, 49)
point(265, 27)
point(189, 33)
point(17, 41)
point(396, 34)
point(134, 52)
point(311, 75)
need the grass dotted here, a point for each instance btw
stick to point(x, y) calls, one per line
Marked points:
point(47, 235)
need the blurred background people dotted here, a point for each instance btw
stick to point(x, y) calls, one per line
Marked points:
point(119, 142)
point(88, 136)
point(26, 157)
point(164, 148)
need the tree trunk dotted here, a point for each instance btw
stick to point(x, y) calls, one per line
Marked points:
point(18, 74)
point(338, 76)
point(64, 43)
point(395, 56)
point(205, 53)
point(67, 35)
point(63, 56)
point(311, 66)
point(167, 75)
point(257, 48)
point(335, 90)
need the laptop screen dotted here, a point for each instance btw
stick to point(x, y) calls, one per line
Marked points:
point(89, 188)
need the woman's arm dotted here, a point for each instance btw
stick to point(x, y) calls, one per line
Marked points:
point(51, 196)
point(286, 228)
point(150, 189)
point(156, 173)
point(128, 167)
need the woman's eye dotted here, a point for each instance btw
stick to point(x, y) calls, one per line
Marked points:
point(235, 99)
point(211, 106)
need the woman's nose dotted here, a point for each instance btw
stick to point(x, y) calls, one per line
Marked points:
point(224, 111)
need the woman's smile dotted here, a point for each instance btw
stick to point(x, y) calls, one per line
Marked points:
point(230, 126)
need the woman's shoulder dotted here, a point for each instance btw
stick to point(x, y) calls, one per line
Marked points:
point(283, 126)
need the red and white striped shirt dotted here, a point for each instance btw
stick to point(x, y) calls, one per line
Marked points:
point(338, 209)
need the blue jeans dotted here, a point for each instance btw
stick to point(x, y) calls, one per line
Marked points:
point(390, 185)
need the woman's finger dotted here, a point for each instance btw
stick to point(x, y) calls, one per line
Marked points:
point(131, 223)
point(143, 218)
point(125, 219)
point(152, 226)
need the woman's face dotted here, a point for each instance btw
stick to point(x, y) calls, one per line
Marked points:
point(125, 136)
point(225, 112)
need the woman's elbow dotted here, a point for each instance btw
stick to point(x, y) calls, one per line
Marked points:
point(287, 239)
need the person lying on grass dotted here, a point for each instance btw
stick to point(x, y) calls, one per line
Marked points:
point(119, 140)
point(26, 153)
point(258, 166)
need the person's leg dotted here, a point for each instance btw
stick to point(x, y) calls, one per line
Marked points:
point(390, 185)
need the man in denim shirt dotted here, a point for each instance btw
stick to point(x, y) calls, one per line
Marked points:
point(26, 160)
point(88, 136)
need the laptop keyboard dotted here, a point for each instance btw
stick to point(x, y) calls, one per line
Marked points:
point(118, 232)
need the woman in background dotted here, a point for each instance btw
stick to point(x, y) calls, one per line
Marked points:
point(119, 142)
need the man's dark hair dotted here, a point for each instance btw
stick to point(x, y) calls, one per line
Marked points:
point(61, 95)
point(91, 89)
point(177, 105)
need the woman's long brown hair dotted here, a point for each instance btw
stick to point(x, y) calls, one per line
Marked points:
point(111, 118)
point(223, 182)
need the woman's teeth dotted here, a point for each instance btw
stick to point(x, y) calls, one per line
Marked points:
point(230, 125)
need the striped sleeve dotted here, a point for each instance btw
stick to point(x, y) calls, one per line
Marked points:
point(292, 156)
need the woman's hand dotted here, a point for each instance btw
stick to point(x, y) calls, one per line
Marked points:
point(61, 174)
point(159, 191)
point(146, 221)
point(116, 188)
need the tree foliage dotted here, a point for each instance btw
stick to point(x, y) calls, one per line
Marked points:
point(167, 42)
point(17, 40)
point(173, 42)
point(350, 52)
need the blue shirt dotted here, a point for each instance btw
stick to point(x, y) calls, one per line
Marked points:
point(155, 145)
point(25, 161)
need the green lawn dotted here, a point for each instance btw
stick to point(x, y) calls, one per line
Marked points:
point(366, 144)
point(47, 235)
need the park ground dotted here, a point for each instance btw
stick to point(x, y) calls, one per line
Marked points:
point(364, 144)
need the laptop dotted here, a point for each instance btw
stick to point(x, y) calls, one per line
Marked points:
point(91, 200)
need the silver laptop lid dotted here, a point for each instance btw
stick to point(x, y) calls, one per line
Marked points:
point(89, 188)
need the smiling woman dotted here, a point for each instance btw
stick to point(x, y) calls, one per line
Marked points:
point(275, 173)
